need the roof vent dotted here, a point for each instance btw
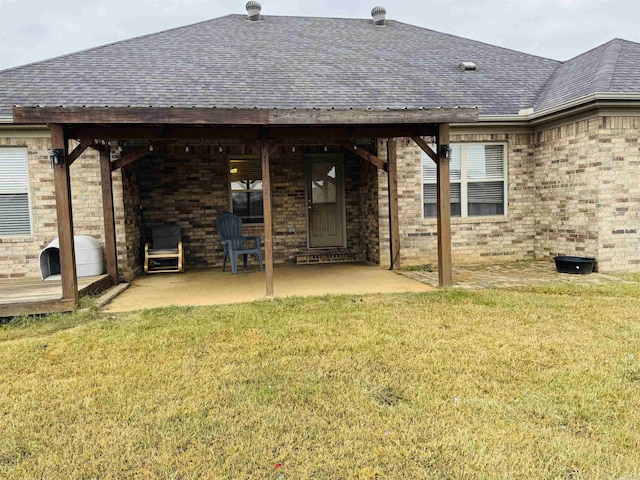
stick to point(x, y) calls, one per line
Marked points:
point(467, 66)
point(253, 11)
point(379, 15)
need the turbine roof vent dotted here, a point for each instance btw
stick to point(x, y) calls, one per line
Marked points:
point(379, 15)
point(253, 11)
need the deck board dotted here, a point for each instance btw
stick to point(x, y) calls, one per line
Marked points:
point(32, 295)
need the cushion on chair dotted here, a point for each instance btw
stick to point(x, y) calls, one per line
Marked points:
point(166, 237)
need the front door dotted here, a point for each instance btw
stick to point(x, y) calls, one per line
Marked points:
point(325, 201)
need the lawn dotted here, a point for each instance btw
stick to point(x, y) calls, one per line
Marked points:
point(537, 383)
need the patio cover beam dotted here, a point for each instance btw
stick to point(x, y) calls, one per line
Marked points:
point(445, 274)
point(108, 214)
point(260, 117)
point(267, 212)
point(279, 134)
point(62, 186)
point(394, 218)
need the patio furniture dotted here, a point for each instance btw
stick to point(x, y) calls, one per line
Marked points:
point(165, 252)
point(230, 230)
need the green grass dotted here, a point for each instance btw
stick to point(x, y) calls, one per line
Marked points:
point(535, 383)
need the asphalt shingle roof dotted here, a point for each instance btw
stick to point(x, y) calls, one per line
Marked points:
point(306, 62)
point(612, 67)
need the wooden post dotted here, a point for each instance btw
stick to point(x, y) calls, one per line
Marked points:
point(62, 185)
point(268, 219)
point(392, 188)
point(109, 218)
point(445, 274)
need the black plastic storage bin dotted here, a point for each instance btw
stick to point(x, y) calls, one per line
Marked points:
point(577, 265)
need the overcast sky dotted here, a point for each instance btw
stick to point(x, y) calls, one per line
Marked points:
point(34, 30)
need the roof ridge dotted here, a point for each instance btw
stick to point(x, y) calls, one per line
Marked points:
point(615, 66)
point(117, 42)
point(604, 75)
point(536, 98)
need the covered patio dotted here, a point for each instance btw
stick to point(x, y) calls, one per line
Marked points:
point(259, 132)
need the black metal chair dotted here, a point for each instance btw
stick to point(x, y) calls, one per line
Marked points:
point(165, 252)
point(230, 230)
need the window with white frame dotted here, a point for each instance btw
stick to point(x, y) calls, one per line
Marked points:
point(15, 218)
point(477, 177)
point(245, 176)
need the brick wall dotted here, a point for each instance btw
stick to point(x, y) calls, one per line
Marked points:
point(588, 191)
point(369, 216)
point(567, 173)
point(479, 239)
point(128, 220)
point(619, 203)
point(192, 189)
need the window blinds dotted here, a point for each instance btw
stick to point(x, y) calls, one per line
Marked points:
point(14, 192)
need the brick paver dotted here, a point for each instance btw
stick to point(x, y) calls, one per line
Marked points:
point(508, 275)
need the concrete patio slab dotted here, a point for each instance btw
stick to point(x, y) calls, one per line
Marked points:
point(213, 287)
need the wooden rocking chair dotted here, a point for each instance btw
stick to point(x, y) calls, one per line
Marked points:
point(165, 252)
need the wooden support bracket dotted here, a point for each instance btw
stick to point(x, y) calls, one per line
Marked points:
point(79, 150)
point(362, 153)
point(424, 146)
point(138, 154)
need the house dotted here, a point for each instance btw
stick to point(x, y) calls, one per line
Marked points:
point(327, 136)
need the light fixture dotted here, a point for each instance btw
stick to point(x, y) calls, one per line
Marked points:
point(186, 148)
point(150, 146)
point(326, 149)
point(219, 147)
point(56, 157)
point(293, 148)
point(445, 151)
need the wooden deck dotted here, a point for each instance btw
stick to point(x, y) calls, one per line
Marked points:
point(32, 296)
